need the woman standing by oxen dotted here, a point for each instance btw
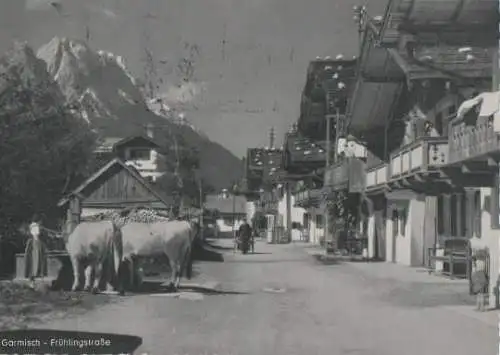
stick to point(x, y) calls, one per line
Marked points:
point(35, 254)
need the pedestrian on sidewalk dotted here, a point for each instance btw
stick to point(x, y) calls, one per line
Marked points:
point(480, 280)
point(35, 255)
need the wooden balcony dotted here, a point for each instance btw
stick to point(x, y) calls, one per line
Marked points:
point(303, 155)
point(418, 165)
point(307, 198)
point(474, 153)
point(347, 174)
point(422, 156)
point(269, 202)
point(473, 143)
point(377, 177)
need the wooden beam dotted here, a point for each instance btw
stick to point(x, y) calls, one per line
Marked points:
point(420, 177)
point(466, 169)
point(380, 79)
point(473, 180)
point(405, 182)
point(492, 162)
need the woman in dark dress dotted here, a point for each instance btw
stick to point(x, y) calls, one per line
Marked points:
point(35, 254)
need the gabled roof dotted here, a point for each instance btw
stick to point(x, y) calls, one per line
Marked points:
point(110, 143)
point(107, 144)
point(126, 140)
point(79, 191)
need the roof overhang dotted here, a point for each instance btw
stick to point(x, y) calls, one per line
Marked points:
point(146, 141)
point(81, 191)
point(372, 104)
point(437, 15)
point(375, 62)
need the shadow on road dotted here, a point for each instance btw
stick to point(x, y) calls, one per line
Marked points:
point(326, 260)
point(427, 295)
point(160, 287)
point(204, 253)
point(244, 260)
point(214, 245)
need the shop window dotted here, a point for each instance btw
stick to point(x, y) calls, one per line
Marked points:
point(403, 217)
point(440, 215)
point(395, 223)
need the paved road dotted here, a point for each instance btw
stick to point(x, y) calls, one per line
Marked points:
point(291, 304)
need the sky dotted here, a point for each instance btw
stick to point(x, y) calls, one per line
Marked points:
point(252, 55)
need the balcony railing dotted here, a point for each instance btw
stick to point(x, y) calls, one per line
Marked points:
point(349, 173)
point(422, 155)
point(377, 176)
point(307, 197)
point(470, 142)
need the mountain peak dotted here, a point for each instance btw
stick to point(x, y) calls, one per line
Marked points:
point(111, 101)
point(20, 68)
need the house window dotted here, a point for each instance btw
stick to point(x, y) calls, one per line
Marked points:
point(319, 221)
point(296, 225)
point(439, 123)
point(463, 215)
point(139, 154)
point(453, 205)
point(305, 220)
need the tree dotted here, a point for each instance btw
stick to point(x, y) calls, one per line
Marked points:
point(45, 148)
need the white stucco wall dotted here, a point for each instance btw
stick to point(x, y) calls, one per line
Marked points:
point(296, 213)
point(371, 236)
point(489, 238)
point(250, 209)
point(407, 248)
point(315, 233)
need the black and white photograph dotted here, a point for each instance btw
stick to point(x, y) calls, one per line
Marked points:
point(250, 177)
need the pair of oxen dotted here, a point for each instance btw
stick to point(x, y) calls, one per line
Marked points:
point(103, 248)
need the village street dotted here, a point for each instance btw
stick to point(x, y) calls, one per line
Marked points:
point(290, 303)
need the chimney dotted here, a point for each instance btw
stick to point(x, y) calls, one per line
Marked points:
point(150, 130)
point(271, 138)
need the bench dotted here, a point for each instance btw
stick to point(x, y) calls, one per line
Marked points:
point(456, 251)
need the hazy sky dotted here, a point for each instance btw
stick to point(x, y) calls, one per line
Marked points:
point(255, 83)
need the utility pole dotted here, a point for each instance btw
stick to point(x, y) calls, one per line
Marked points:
point(233, 193)
point(495, 265)
point(326, 213)
point(202, 210)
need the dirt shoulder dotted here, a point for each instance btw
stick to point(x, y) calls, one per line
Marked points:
point(21, 306)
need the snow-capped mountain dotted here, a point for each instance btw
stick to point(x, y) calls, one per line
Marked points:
point(109, 97)
point(159, 107)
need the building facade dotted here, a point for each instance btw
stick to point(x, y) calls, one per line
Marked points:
point(431, 168)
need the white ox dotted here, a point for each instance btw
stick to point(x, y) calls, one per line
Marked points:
point(171, 238)
point(95, 244)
